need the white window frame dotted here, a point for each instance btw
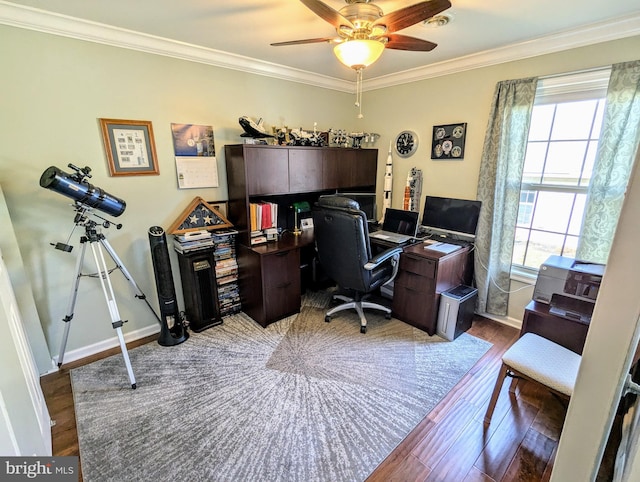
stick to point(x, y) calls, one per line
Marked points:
point(585, 85)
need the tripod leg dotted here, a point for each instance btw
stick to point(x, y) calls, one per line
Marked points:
point(120, 265)
point(116, 322)
point(72, 302)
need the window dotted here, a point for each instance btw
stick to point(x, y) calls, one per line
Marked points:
point(563, 140)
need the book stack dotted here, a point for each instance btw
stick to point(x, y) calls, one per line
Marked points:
point(264, 216)
point(226, 271)
point(192, 241)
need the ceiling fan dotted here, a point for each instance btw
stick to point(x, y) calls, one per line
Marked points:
point(363, 20)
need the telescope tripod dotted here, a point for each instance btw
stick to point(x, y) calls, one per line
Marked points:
point(97, 241)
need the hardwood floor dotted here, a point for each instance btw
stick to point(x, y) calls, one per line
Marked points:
point(450, 444)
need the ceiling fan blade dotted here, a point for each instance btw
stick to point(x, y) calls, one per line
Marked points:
point(408, 16)
point(404, 42)
point(327, 13)
point(304, 41)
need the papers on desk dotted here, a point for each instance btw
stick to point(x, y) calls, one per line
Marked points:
point(442, 247)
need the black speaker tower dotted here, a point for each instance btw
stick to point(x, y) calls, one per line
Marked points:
point(172, 329)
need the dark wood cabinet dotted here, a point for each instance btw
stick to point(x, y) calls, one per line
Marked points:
point(570, 334)
point(344, 168)
point(198, 275)
point(422, 276)
point(269, 275)
point(305, 170)
point(270, 281)
point(267, 171)
point(256, 172)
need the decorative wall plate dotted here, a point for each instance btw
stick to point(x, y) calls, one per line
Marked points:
point(448, 141)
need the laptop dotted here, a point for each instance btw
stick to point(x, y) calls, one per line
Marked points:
point(399, 226)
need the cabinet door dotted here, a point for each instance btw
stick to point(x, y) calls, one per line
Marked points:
point(305, 170)
point(267, 170)
point(331, 169)
point(281, 284)
point(349, 168)
point(365, 167)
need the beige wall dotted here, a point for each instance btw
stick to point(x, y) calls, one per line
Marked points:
point(54, 89)
point(466, 97)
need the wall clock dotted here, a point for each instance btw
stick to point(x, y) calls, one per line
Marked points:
point(406, 143)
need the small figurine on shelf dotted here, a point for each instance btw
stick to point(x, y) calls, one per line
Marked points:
point(252, 128)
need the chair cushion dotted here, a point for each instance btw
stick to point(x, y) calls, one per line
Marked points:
point(544, 361)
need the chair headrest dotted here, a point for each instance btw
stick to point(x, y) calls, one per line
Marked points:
point(337, 201)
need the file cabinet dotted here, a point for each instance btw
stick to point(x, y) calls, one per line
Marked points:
point(270, 279)
point(423, 275)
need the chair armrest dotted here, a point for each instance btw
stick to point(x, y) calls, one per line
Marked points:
point(382, 257)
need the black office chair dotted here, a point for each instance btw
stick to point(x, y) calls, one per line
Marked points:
point(342, 242)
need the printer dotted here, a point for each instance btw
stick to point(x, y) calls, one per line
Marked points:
point(569, 286)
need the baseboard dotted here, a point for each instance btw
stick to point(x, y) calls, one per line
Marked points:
point(505, 320)
point(85, 351)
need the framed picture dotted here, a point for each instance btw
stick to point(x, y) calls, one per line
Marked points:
point(448, 141)
point(130, 147)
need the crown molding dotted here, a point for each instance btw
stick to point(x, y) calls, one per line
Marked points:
point(57, 24)
point(619, 28)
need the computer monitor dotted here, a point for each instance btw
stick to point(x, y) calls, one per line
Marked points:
point(451, 217)
point(400, 221)
point(366, 200)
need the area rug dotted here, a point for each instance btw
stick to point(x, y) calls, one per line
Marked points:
point(302, 400)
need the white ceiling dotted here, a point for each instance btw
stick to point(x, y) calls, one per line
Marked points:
point(482, 32)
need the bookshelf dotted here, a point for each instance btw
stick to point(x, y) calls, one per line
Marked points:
point(224, 252)
point(209, 276)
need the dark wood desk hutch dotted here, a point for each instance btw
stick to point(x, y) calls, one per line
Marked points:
point(269, 275)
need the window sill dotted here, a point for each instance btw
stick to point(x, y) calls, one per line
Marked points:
point(523, 276)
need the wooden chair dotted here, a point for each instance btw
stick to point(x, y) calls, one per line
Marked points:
point(538, 360)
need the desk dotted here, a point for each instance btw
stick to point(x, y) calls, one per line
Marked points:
point(423, 275)
point(270, 286)
point(568, 333)
point(269, 277)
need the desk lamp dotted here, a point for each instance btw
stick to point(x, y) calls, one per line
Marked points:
point(298, 208)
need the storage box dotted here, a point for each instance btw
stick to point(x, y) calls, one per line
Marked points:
point(457, 307)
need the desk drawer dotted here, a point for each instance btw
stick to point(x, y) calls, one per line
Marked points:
point(421, 266)
point(415, 282)
point(415, 307)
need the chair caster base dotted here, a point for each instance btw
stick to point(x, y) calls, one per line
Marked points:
point(363, 329)
point(387, 316)
point(327, 319)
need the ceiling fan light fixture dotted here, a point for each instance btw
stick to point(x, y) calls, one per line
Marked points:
point(358, 53)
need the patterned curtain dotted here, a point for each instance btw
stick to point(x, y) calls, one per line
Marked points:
point(616, 152)
point(501, 167)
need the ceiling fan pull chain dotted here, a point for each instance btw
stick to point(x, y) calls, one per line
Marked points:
point(359, 92)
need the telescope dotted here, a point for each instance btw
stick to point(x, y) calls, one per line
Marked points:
point(77, 188)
